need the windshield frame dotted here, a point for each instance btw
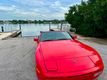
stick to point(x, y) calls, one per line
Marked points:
point(55, 39)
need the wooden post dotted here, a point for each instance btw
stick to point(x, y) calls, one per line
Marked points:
point(20, 26)
point(2, 29)
point(11, 28)
point(61, 26)
point(49, 26)
point(58, 26)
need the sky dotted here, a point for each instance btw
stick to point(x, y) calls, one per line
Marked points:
point(35, 9)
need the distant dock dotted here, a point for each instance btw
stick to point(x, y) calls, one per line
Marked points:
point(55, 29)
point(5, 35)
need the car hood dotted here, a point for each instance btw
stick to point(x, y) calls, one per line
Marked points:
point(69, 64)
point(66, 55)
point(64, 49)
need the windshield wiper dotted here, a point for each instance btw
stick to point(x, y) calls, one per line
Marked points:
point(56, 39)
point(62, 39)
point(47, 40)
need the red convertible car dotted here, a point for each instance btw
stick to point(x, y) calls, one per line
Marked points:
point(59, 56)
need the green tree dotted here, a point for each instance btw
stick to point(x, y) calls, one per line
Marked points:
point(89, 18)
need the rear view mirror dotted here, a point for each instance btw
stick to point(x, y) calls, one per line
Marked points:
point(36, 40)
point(74, 37)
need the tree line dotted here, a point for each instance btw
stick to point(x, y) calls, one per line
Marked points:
point(33, 21)
point(89, 18)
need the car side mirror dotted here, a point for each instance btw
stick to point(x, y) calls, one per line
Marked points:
point(36, 40)
point(74, 37)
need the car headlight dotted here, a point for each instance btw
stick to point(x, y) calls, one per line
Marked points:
point(95, 59)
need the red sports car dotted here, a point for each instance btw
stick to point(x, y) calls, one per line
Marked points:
point(59, 56)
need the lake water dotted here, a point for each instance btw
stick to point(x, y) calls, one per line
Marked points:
point(28, 29)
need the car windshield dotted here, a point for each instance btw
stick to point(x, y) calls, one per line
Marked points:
point(50, 36)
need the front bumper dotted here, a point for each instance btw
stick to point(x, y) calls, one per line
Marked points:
point(81, 75)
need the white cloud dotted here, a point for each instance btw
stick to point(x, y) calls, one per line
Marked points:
point(30, 2)
point(57, 16)
point(24, 13)
point(39, 9)
point(7, 8)
point(74, 3)
point(85, 0)
point(13, 10)
point(56, 4)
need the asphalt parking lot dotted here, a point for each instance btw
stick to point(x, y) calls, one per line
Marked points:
point(17, 58)
point(101, 46)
